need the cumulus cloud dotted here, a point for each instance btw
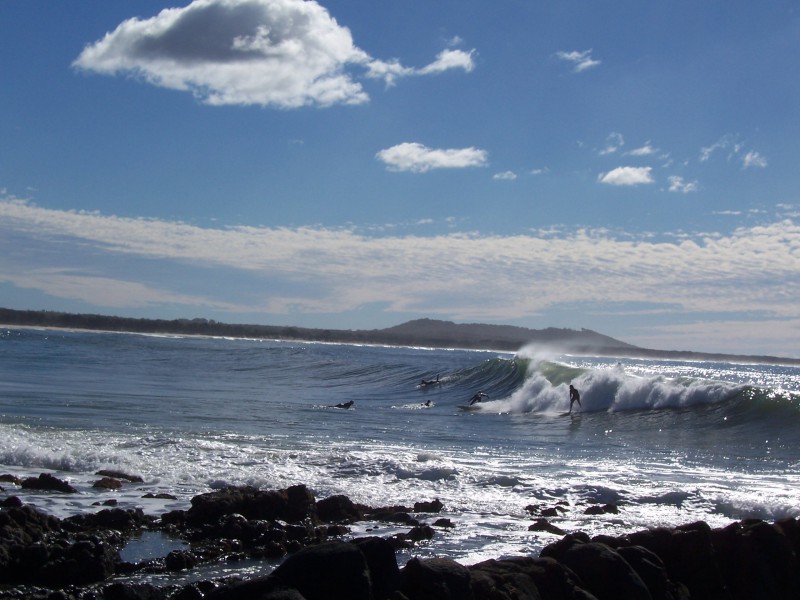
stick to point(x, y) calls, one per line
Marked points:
point(627, 176)
point(417, 158)
point(505, 176)
point(581, 61)
point(282, 53)
point(108, 261)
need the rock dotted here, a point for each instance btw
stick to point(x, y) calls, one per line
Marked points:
point(435, 579)
point(10, 479)
point(133, 591)
point(338, 509)
point(108, 483)
point(11, 502)
point(120, 475)
point(654, 574)
point(382, 564)
point(294, 504)
point(545, 525)
point(602, 571)
point(428, 507)
point(323, 572)
point(48, 482)
point(602, 510)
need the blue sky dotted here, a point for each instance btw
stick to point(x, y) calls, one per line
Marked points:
point(628, 167)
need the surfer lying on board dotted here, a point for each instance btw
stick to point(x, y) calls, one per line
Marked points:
point(344, 404)
point(425, 382)
point(478, 398)
point(574, 396)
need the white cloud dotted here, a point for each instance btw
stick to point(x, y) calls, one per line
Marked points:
point(505, 176)
point(414, 157)
point(283, 53)
point(627, 176)
point(540, 171)
point(645, 150)
point(677, 184)
point(581, 60)
point(753, 159)
point(108, 261)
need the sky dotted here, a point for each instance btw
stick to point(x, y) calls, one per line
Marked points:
point(627, 167)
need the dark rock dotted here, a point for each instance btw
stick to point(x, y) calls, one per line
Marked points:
point(294, 504)
point(603, 572)
point(602, 510)
point(159, 496)
point(48, 482)
point(381, 562)
point(11, 502)
point(133, 591)
point(435, 579)
point(654, 574)
point(338, 509)
point(447, 523)
point(10, 479)
point(428, 507)
point(323, 572)
point(120, 475)
point(545, 525)
point(107, 483)
point(179, 560)
point(757, 558)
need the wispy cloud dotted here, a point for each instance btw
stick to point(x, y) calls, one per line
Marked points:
point(754, 159)
point(505, 176)
point(627, 176)
point(108, 261)
point(417, 158)
point(282, 53)
point(735, 149)
point(677, 184)
point(581, 60)
point(614, 142)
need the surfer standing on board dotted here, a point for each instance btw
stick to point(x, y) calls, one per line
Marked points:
point(574, 396)
point(478, 398)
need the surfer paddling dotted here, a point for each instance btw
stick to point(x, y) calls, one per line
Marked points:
point(478, 398)
point(574, 396)
point(427, 382)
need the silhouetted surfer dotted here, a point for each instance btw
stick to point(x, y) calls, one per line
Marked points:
point(478, 398)
point(574, 396)
point(426, 382)
point(344, 404)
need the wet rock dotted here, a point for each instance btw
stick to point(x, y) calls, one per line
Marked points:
point(428, 507)
point(294, 504)
point(435, 578)
point(338, 509)
point(48, 482)
point(120, 475)
point(107, 483)
point(546, 526)
point(602, 571)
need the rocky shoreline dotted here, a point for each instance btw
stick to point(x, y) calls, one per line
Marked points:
point(78, 557)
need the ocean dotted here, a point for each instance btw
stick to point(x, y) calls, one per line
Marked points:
point(667, 442)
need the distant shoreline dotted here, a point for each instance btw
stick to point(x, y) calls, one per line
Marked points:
point(425, 333)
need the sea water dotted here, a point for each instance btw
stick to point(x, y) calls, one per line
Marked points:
point(668, 442)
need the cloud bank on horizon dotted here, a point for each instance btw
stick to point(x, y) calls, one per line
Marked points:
point(469, 277)
point(318, 164)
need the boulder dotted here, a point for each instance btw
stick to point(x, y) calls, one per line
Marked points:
point(602, 571)
point(48, 482)
point(435, 579)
